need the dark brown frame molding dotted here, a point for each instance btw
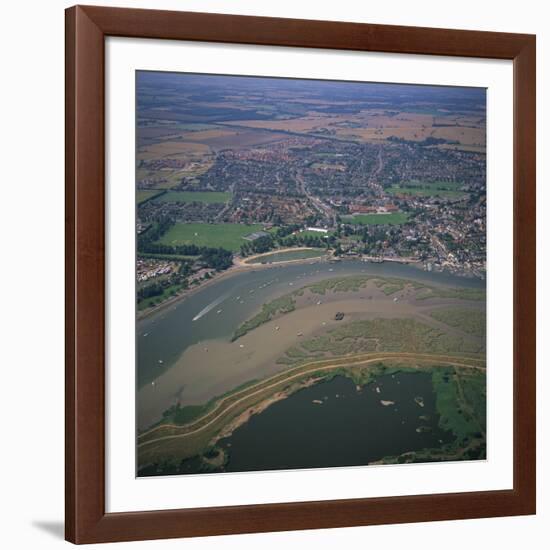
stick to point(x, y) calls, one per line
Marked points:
point(86, 29)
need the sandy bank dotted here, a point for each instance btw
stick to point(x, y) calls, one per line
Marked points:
point(213, 367)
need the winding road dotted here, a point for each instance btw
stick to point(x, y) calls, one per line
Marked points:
point(229, 403)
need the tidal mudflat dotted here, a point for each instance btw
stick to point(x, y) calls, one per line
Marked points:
point(350, 323)
point(211, 367)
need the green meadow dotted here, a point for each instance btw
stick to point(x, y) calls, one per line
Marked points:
point(208, 197)
point(225, 235)
point(428, 189)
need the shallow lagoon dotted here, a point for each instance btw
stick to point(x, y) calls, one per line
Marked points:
point(334, 424)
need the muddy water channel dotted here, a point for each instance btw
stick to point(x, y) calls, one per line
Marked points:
point(217, 310)
point(185, 353)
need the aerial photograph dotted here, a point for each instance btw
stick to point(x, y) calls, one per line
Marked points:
point(310, 273)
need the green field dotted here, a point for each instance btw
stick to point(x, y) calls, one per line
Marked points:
point(177, 414)
point(461, 404)
point(282, 305)
point(310, 233)
point(155, 300)
point(389, 335)
point(461, 401)
point(477, 294)
point(289, 255)
point(469, 320)
point(146, 194)
point(394, 218)
point(170, 257)
point(207, 197)
point(428, 189)
point(224, 235)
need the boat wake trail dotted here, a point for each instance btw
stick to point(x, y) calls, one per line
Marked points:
point(210, 306)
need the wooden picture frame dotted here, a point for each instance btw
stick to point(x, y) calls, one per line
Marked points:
point(86, 30)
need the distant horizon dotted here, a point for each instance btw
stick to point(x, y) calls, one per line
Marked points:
point(142, 73)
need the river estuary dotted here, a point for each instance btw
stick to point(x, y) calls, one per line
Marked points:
point(185, 355)
point(215, 311)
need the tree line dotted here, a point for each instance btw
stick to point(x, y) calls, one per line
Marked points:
point(216, 258)
point(283, 237)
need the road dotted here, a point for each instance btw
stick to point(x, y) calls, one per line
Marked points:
point(318, 204)
point(377, 170)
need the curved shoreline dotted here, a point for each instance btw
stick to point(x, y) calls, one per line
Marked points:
point(241, 267)
point(300, 371)
point(194, 375)
point(235, 269)
point(325, 255)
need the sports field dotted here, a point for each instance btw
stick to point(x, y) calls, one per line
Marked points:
point(224, 235)
point(428, 189)
point(208, 197)
point(310, 233)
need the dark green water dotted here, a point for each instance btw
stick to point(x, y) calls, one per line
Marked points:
point(349, 428)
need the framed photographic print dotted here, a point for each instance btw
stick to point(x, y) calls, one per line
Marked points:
point(300, 274)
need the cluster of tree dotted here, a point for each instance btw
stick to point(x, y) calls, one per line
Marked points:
point(426, 142)
point(374, 235)
point(154, 289)
point(449, 241)
point(302, 239)
point(312, 219)
point(284, 237)
point(152, 197)
point(430, 140)
point(154, 233)
point(273, 191)
point(177, 279)
point(347, 230)
point(217, 258)
point(258, 246)
point(170, 250)
point(286, 230)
